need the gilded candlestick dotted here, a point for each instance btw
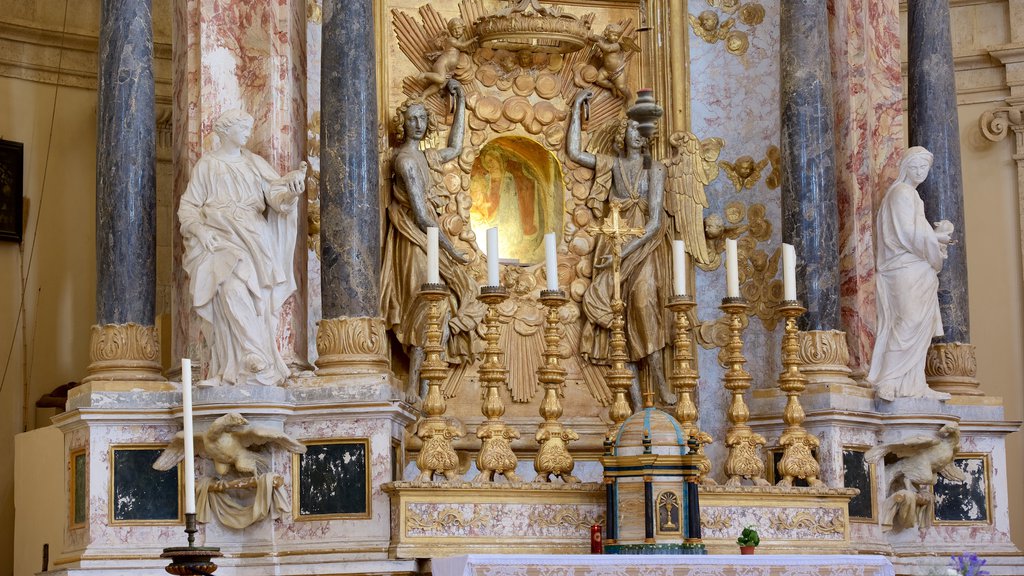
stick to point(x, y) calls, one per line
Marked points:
point(437, 455)
point(495, 455)
point(798, 460)
point(744, 460)
point(684, 379)
point(553, 455)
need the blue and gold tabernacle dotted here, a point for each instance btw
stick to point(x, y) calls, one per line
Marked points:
point(651, 475)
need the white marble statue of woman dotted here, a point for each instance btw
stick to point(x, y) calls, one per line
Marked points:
point(239, 223)
point(909, 252)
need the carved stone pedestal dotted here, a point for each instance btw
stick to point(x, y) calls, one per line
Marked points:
point(348, 346)
point(125, 357)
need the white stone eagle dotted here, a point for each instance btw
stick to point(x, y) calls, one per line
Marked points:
point(232, 443)
point(921, 458)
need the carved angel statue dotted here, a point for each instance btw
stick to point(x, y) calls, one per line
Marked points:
point(418, 201)
point(611, 74)
point(236, 447)
point(690, 169)
point(912, 466)
point(453, 49)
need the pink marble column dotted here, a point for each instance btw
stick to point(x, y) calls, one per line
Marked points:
point(865, 38)
point(250, 55)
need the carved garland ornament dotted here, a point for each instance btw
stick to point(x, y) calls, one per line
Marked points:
point(446, 518)
point(808, 521)
point(566, 518)
point(124, 352)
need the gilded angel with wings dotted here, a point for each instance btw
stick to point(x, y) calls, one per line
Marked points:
point(664, 200)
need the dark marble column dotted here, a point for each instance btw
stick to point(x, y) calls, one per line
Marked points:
point(349, 192)
point(810, 217)
point(125, 166)
point(934, 125)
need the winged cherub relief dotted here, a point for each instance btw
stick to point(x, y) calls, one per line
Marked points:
point(611, 73)
point(241, 458)
point(912, 466)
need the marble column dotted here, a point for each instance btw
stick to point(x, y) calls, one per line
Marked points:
point(933, 123)
point(810, 218)
point(124, 343)
point(248, 55)
point(351, 337)
point(869, 128)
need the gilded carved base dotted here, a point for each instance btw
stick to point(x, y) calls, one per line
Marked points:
point(349, 346)
point(953, 368)
point(825, 357)
point(435, 519)
point(127, 354)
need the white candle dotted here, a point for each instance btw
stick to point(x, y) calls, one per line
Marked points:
point(732, 272)
point(551, 261)
point(190, 451)
point(789, 272)
point(492, 257)
point(433, 272)
point(679, 266)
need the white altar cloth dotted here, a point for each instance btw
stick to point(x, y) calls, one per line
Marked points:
point(657, 565)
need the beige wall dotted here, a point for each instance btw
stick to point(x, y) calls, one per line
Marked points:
point(42, 452)
point(57, 261)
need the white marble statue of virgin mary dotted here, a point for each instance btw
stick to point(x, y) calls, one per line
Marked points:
point(239, 222)
point(909, 255)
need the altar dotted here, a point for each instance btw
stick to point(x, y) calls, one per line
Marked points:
point(723, 565)
point(486, 277)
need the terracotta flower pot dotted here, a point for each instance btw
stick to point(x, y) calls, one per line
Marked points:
point(746, 549)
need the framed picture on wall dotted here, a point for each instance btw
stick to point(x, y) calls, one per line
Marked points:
point(12, 161)
point(332, 480)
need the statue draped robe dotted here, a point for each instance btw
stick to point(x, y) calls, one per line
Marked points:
point(239, 288)
point(908, 261)
point(405, 271)
point(644, 273)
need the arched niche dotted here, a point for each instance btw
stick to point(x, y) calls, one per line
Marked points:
point(516, 186)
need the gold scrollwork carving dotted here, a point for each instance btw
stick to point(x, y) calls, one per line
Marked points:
point(124, 352)
point(716, 521)
point(807, 521)
point(824, 356)
point(565, 518)
point(448, 517)
point(351, 346)
point(952, 367)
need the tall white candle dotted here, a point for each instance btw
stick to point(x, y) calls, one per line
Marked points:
point(789, 272)
point(551, 261)
point(679, 266)
point(190, 451)
point(433, 272)
point(492, 257)
point(732, 271)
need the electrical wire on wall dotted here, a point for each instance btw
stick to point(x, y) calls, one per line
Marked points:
point(26, 266)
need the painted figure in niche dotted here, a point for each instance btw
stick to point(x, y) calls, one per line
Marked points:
point(645, 281)
point(239, 223)
point(910, 252)
point(452, 48)
point(418, 201)
point(611, 74)
point(508, 192)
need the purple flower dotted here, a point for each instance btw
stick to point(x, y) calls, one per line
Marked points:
point(968, 565)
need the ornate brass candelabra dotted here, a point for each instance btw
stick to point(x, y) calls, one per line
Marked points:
point(495, 455)
point(744, 460)
point(684, 380)
point(618, 376)
point(191, 560)
point(553, 455)
point(437, 456)
point(797, 459)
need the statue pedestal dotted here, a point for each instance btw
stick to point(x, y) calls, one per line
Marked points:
point(354, 435)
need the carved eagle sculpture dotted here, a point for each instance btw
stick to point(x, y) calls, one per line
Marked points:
point(920, 458)
point(232, 443)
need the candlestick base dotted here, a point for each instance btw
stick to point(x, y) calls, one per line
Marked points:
point(191, 560)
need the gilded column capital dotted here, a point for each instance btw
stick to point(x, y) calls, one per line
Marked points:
point(952, 367)
point(124, 352)
point(824, 357)
point(351, 345)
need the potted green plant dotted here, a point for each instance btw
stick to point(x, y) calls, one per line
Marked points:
point(748, 540)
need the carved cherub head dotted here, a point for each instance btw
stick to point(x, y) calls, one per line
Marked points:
point(708, 20)
point(714, 226)
point(613, 32)
point(525, 58)
point(456, 27)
